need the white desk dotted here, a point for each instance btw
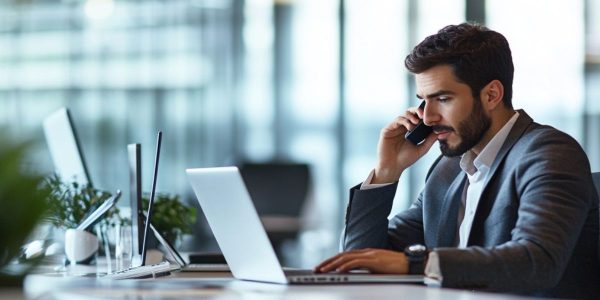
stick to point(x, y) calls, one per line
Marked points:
point(221, 286)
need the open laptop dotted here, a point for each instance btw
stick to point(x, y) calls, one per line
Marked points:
point(138, 216)
point(183, 265)
point(242, 238)
point(139, 267)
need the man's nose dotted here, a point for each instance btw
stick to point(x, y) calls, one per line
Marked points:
point(430, 115)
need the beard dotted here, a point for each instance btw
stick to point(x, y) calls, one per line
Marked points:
point(470, 131)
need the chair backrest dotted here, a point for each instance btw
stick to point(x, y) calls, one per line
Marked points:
point(278, 189)
point(596, 178)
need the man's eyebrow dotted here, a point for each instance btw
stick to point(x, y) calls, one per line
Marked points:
point(436, 94)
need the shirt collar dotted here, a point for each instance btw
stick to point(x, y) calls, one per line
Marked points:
point(471, 162)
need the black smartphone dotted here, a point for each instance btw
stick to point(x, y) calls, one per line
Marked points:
point(419, 133)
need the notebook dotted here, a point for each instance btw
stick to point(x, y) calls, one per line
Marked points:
point(139, 267)
point(243, 240)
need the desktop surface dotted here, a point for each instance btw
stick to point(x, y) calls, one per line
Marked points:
point(12, 293)
point(208, 285)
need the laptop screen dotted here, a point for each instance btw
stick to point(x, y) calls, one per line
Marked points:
point(140, 259)
point(235, 224)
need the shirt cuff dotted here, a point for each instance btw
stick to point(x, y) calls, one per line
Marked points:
point(433, 274)
point(367, 185)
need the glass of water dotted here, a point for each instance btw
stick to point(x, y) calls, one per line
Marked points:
point(123, 247)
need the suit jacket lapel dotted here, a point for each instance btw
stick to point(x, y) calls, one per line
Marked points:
point(485, 203)
point(523, 121)
point(447, 228)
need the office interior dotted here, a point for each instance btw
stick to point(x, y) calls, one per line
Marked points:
point(231, 82)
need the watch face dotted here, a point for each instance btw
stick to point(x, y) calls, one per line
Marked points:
point(416, 255)
point(417, 248)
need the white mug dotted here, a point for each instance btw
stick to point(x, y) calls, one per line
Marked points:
point(80, 245)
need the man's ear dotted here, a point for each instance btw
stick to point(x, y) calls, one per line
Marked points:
point(492, 94)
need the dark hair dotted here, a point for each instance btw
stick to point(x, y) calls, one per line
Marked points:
point(476, 54)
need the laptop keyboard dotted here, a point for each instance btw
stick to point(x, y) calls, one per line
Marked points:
point(206, 268)
point(298, 272)
point(148, 271)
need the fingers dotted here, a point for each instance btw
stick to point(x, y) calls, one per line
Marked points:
point(374, 260)
point(414, 116)
point(396, 128)
point(334, 263)
point(341, 263)
point(359, 262)
point(324, 264)
point(401, 125)
point(410, 119)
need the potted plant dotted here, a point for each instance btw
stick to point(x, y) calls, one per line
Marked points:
point(170, 216)
point(22, 205)
point(69, 204)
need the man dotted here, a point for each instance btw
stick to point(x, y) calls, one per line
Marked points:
point(510, 205)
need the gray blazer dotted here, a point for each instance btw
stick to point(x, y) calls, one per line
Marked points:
point(536, 226)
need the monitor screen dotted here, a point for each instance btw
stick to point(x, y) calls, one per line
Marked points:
point(65, 148)
point(134, 153)
point(139, 259)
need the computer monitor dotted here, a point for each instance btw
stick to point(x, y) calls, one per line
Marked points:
point(134, 153)
point(65, 148)
point(140, 259)
point(140, 268)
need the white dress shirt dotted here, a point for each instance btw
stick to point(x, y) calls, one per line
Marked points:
point(477, 168)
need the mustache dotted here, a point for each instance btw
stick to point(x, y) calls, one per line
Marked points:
point(438, 128)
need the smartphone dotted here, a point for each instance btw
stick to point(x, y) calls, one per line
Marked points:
point(419, 133)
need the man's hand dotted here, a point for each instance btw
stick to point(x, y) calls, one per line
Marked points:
point(395, 152)
point(374, 260)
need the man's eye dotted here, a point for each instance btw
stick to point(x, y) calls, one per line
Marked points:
point(443, 99)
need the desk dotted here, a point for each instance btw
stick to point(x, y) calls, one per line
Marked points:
point(221, 286)
point(11, 293)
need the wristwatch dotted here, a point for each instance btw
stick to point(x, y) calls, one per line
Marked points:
point(416, 255)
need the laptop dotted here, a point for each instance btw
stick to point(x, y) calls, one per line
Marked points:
point(183, 265)
point(243, 240)
point(139, 267)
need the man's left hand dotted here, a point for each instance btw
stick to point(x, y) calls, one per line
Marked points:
point(374, 260)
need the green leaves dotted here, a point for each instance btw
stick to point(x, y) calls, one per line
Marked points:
point(171, 217)
point(22, 203)
point(70, 203)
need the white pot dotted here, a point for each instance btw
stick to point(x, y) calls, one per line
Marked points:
point(80, 245)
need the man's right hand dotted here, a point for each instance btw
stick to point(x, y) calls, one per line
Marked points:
point(395, 152)
point(380, 261)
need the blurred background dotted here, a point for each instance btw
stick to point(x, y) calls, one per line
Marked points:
point(232, 82)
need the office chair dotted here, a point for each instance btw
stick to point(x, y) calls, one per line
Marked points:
point(279, 191)
point(596, 179)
